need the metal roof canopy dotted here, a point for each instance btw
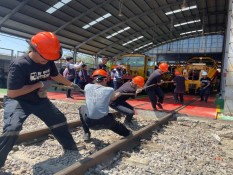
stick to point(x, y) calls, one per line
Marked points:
point(147, 18)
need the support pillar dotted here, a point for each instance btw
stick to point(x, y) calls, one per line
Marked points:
point(75, 55)
point(96, 61)
point(227, 69)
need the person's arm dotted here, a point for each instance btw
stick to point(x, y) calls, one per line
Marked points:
point(65, 72)
point(76, 66)
point(24, 90)
point(208, 84)
point(115, 96)
point(60, 79)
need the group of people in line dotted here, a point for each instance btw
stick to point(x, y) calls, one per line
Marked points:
point(79, 74)
point(27, 84)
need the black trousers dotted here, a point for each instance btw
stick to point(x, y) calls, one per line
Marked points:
point(179, 97)
point(204, 93)
point(17, 111)
point(68, 91)
point(106, 122)
point(124, 108)
point(155, 94)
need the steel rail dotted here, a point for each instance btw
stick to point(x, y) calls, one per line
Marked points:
point(83, 165)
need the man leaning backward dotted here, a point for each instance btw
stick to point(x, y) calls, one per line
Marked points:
point(26, 84)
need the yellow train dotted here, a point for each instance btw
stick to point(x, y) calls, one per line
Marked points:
point(193, 69)
point(136, 64)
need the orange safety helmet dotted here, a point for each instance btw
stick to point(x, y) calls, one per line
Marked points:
point(177, 72)
point(100, 72)
point(46, 45)
point(163, 67)
point(139, 81)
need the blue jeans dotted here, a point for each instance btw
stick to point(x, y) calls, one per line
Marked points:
point(17, 111)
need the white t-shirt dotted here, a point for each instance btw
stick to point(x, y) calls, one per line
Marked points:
point(71, 66)
point(97, 100)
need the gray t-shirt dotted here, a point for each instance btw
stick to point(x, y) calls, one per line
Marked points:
point(97, 100)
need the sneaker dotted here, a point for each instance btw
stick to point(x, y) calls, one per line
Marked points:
point(70, 97)
point(160, 105)
point(86, 137)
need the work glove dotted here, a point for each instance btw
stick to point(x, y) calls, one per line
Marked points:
point(138, 91)
point(46, 84)
point(42, 93)
point(77, 88)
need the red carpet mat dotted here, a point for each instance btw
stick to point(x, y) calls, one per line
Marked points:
point(199, 109)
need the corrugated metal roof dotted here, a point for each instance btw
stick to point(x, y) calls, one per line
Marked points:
point(146, 18)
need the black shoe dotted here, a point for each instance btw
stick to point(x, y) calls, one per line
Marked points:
point(72, 148)
point(155, 109)
point(202, 100)
point(1, 165)
point(128, 123)
point(159, 105)
point(86, 137)
point(70, 97)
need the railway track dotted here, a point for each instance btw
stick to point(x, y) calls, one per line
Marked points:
point(84, 163)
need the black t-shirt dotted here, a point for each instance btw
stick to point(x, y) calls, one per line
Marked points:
point(205, 81)
point(125, 88)
point(180, 84)
point(102, 66)
point(24, 71)
point(154, 78)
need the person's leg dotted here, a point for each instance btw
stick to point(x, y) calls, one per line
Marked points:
point(86, 130)
point(14, 117)
point(108, 122)
point(176, 97)
point(56, 121)
point(207, 92)
point(125, 109)
point(202, 91)
point(68, 93)
point(160, 94)
point(152, 96)
point(181, 98)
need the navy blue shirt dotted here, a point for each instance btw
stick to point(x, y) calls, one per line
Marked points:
point(125, 88)
point(24, 71)
point(204, 82)
point(154, 78)
point(180, 84)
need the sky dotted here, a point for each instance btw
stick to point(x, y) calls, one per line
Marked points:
point(16, 44)
point(20, 44)
point(11, 42)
